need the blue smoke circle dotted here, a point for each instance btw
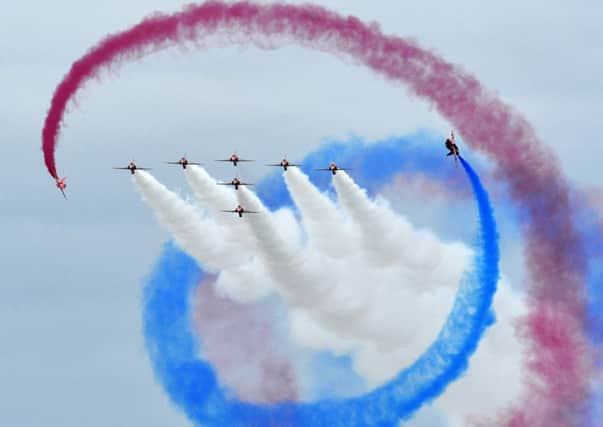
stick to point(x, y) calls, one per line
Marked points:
point(191, 382)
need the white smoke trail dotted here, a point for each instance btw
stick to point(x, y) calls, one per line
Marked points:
point(321, 219)
point(209, 194)
point(282, 259)
point(349, 307)
point(214, 198)
point(215, 246)
point(197, 237)
point(389, 239)
point(299, 274)
point(365, 282)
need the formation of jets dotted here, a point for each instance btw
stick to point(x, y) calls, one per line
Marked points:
point(450, 144)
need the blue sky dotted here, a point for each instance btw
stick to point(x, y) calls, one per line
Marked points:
point(71, 348)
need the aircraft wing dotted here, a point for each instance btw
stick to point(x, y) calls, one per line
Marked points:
point(244, 212)
point(323, 169)
point(64, 195)
point(230, 183)
point(137, 168)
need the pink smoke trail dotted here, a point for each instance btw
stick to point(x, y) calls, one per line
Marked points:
point(558, 359)
point(253, 361)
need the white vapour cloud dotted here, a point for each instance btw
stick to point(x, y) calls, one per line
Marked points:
point(195, 236)
point(212, 240)
point(357, 278)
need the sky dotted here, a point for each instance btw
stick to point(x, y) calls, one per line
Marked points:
point(72, 350)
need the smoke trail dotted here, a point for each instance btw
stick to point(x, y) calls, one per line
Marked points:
point(213, 247)
point(288, 266)
point(210, 195)
point(555, 254)
point(322, 220)
point(192, 384)
point(355, 306)
point(590, 220)
point(197, 237)
point(382, 232)
point(259, 374)
point(214, 198)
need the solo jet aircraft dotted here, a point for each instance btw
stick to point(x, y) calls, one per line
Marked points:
point(61, 185)
point(333, 168)
point(453, 149)
point(234, 159)
point(133, 168)
point(240, 210)
point(284, 164)
point(235, 182)
point(183, 162)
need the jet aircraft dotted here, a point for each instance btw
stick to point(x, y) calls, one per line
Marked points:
point(133, 168)
point(184, 162)
point(333, 168)
point(240, 210)
point(234, 159)
point(453, 149)
point(284, 164)
point(61, 185)
point(235, 182)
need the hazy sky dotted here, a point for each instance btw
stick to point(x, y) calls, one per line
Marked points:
point(71, 348)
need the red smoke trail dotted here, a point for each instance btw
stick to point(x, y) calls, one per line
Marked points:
point(558, 360)
point(253, 361)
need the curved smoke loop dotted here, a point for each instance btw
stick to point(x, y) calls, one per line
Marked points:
point(191, 381)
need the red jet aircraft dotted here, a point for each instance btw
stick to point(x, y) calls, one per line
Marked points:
point(61, 185)
point(235, 182)
point(333, 168)
point(284, 164)
point(239, 210)
point(453, 149)
point(183, 162)
point(234, 159)
point(133, 168)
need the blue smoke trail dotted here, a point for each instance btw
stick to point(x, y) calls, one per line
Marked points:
point(587, 222)
point(192, 383)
